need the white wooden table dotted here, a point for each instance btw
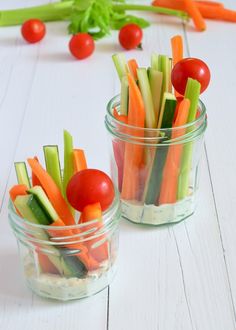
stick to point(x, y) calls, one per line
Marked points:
point(169, 278)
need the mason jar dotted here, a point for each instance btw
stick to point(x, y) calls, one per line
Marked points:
point(68, 262)
point(156, 170)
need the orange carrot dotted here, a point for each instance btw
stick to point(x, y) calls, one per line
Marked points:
point(169, 184)
point(122, 118)
point(89, 262)
point(46, 265)
point(133, 153)
point(177, 48)
point(92, 212)
point(79, 160)
point(133, 66)
point(177, 52)
point(35, 180)
point(18, 190)
point(208, 9)
point(195, 14)
point(52, 191)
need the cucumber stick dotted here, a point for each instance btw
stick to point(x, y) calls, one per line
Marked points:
point(124, 96)
point(143, 82)
point(68, 163)
point(67, 265)
point(164, 67)
point(22, 174)
point(120, 64)
point(52, 161)
point(44, 203)
point(152, 190)
point(155, 79)
point(192, 93)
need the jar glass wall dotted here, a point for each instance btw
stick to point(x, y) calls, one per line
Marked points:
point(156, 170)
point(68, 262)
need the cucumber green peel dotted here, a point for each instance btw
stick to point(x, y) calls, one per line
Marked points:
point(96, 17)
point(51, 155)
point(192, 92)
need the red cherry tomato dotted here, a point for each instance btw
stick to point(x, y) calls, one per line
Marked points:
point(130, 36)
point(190, 68)
point(33, 30)
point(88, 187)
point(81, 45)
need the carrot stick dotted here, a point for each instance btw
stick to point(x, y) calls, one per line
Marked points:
point(83, 255)
point(92, 212)
point(35, 180)
point(194, 12)
point(133, 66)
point(46, 265)
point(79, 160)
point(208, 9)
point(133, 153)
point(52, 191)
point(169, 184)
point(177, 52)
point(18, 190)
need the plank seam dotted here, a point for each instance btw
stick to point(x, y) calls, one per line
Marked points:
point(108, 306)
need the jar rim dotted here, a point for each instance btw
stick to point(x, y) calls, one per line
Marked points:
point(116, 99)
point(107, 217)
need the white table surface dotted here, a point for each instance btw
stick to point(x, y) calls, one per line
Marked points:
point(181, 277)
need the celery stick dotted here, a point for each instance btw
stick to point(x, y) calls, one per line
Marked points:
point(192, 92)
point(124, 96)
point(155, 61)
point(164, 66)
point(51, 155)
point(155, 79)
point(170, 69)
point(68, 161)
point(22, 174)
point(120, 64)
point(50, 12)
point(150, 118)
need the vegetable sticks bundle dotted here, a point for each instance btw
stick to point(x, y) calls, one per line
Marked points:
point(157, 174)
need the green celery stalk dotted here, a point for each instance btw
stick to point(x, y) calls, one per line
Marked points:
point(192, 93)
point(22, 174)
point(164, 66)
point(155, 61)
point(51, 12)
point(155, 79)
point(68, 163)
point(120, 64)
point(143, 82)
point(51, 155)
point(124, 96)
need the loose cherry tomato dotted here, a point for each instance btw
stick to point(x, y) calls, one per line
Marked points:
point(81, 45)
point(33, 30)
point(130, 36)
point(88, 187)
point(190, 68)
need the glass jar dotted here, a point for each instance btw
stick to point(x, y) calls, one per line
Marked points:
point(156, 170)
point(68, 262)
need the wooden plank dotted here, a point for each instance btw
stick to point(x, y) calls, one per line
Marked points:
point(172, 277)
point(218, 49)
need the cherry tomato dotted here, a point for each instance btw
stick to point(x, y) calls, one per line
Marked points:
point(33, 30)
point(88, 187)
point(190, 68)
point(81, 45)
point(130, 36)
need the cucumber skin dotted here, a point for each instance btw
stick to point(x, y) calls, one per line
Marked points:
point(155, 179)
point(38, 212)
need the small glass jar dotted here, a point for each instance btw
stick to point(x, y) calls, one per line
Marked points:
point(68, 262)
point(156, 170)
